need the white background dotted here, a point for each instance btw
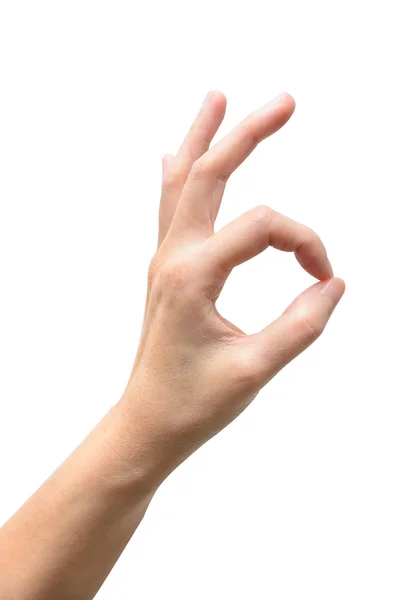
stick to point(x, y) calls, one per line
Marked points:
point(297, 498)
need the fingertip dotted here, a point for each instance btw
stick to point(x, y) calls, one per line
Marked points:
point(168, 157)
point(321, 269)
point(218, 94)
point(299, 326)
point(287, 106)
point(289, 102)
point(279, 108)
point(316, 264)
point(333, 289)
point(215, 97)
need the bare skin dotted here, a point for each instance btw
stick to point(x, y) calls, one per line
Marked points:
point(193, 374)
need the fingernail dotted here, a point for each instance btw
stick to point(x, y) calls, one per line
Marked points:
point(277, 100)
point(333, 289)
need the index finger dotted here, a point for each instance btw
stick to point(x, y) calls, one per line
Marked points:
point(253, 232)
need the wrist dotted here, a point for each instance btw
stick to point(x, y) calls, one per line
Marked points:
point(154, 442)
point(136, 446)
point(115, 461)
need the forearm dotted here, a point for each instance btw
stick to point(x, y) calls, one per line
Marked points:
point(65, 539)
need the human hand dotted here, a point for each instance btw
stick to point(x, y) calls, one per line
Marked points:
point(195, 371)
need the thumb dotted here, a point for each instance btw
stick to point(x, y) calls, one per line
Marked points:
point(297, 328)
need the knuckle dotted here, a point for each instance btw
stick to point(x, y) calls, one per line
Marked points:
point(175, 275)
point(312, 236)
point(248, 378)
point(173, 179)
point(252, 133)
point(309, 329)
point(153, 268)
point(208, 168)
point(199, 169)
point(247, 373)
point(263, 214)
point(175, 278)
point(262, 218)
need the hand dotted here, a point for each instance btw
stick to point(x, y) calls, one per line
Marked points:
point(195, 371)
point(193, 374)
